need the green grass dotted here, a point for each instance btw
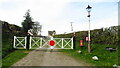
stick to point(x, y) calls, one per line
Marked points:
point(13, 57)
point(106, 58)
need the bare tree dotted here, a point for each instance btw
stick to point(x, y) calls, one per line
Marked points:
point(36, 29)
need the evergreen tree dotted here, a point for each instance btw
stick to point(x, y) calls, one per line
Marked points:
point(27, 23)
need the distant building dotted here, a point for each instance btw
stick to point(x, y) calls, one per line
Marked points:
point(51, 33)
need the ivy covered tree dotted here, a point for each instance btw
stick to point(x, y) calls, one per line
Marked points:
point(27, 23)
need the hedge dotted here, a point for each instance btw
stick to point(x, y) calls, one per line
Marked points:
point(102, 36)
point(8, 31)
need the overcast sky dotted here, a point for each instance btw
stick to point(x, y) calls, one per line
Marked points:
point(57, 14)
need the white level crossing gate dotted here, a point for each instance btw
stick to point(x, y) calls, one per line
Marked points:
point(43, 43)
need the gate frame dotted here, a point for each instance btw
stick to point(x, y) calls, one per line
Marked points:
point(62, 40)
point(20, 42)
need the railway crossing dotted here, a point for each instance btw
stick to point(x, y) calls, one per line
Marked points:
point(43, 43)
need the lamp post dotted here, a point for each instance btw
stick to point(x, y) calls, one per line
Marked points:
point(89, 10)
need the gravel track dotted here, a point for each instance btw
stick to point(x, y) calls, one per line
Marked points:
point(44, 57)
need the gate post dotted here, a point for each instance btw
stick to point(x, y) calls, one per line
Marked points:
point(74, 41)
point(28, 42)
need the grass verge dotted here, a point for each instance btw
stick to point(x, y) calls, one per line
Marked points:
point(105, 57)
point(13, 57)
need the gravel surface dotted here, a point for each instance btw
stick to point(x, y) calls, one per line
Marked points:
point(44, 57)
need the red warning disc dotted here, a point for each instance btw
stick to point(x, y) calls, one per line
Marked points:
point(52, 42)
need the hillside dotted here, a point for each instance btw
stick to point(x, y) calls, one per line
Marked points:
point(8, 31)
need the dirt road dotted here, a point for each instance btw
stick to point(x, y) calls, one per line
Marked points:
point(47, 58)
